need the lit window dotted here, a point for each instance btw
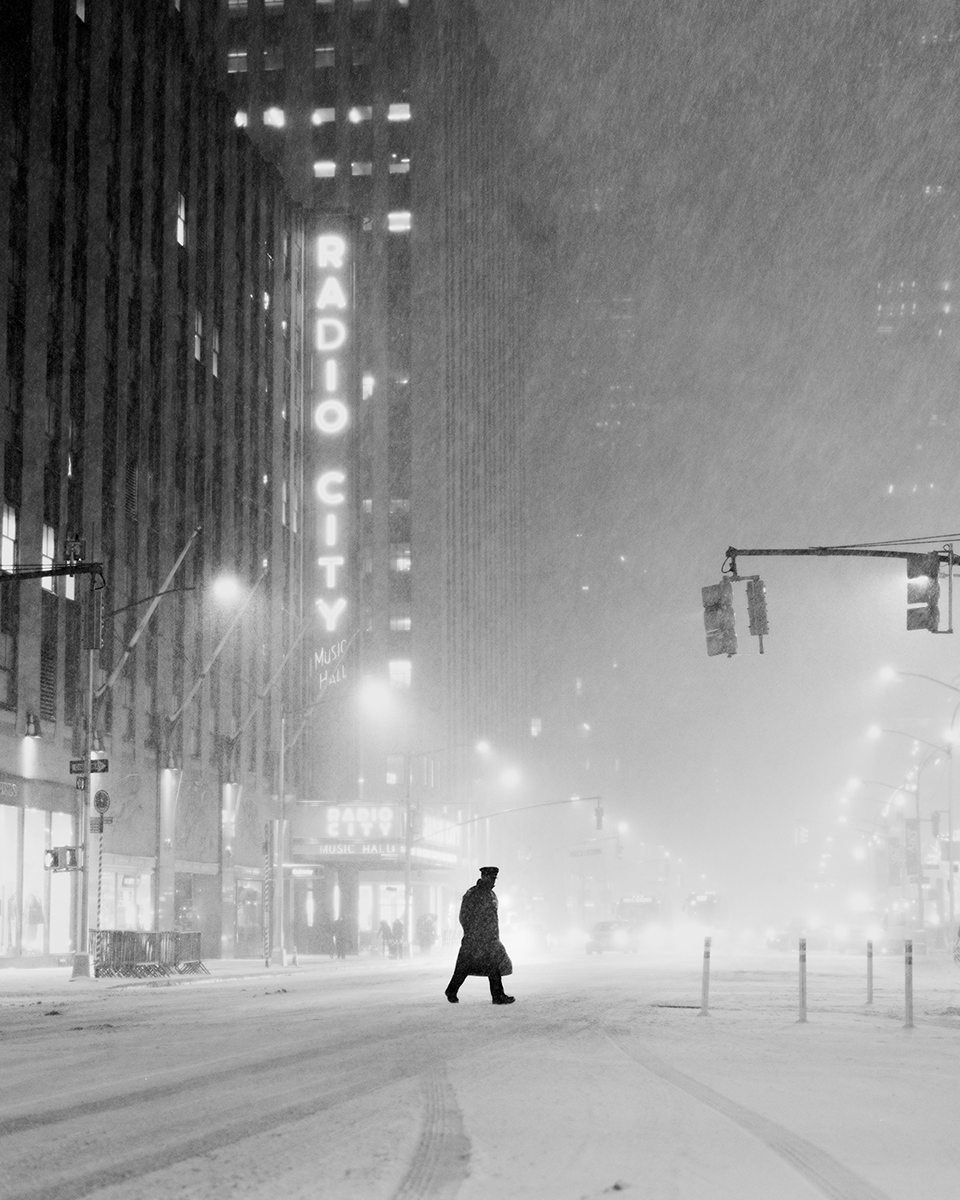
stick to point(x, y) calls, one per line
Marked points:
point(216, 354)
point(322, 56)
point(8, 539)
point(48, 553)
point(399, 670)
point(323, 116)
point(181, 219)
point(536, 726)
point(266, 301)
point(398, 222)
point(400, 624)
point(273, 3)
point(81, 9)
point(361, 112)
point(400, 166)
point(237, 5)
point(368, 384)
point(274, 117)
point(240, 120)
point(399, 506)
point(400, 556)
point(398, 112)
point(198, 335)
point(361, 168)
point(236, 61)
point(368, 505)
point(324, 170)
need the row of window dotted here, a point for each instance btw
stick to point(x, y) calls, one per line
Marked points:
point(326, 116)
point(326, 168)
point(240, 6)
point(324, 57)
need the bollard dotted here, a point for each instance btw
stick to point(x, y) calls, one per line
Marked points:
point(869, 972)
point(803, 979)
point(908, 982)
point(705, 990)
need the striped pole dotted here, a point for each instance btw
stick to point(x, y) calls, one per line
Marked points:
point(705, 989)
point(869, 972)
point(96, 960)
point(908, 982)
point(803, 979)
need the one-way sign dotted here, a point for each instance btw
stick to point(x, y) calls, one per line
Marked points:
point(78, 766)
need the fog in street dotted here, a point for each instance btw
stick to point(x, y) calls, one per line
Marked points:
point(732, 199)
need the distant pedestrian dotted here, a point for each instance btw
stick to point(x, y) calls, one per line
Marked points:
point(340, 936)
point(481, 951)
point(385, 937)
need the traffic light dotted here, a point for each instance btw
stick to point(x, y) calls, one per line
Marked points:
point(923, 591)
point(62, 858)
point(757, 607)
point(619, 847)
point(598, 813)
point(718, 618)
point(935, 824)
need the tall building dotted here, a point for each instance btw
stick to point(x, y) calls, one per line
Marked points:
point(385, 112)
point(269, 281)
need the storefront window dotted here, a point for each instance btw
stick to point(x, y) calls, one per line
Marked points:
point(35, 881)
point(249, 919)
point(9, 908)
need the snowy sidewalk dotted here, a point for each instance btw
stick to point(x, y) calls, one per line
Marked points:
point(50, 981)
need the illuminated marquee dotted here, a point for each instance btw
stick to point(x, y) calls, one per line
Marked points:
point(331, 420)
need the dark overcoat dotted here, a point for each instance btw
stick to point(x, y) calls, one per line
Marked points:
point(481, 951)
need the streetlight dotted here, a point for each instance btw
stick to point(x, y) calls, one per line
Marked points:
point(875, 731)
point(889, 673)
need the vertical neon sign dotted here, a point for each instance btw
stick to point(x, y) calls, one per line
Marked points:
point(331, 420)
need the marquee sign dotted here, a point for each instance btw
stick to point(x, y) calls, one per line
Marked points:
point(372, 831)
point(332, 418)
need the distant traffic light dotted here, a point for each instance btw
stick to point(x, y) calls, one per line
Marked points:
point(598, 813)
point(935, 824)
point(923, 591)
point(757, 607)
point(718, 618)
point(619, 847)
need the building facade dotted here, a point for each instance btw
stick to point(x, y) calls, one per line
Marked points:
point(383, 116)
point(263, 319)
point(152, 410)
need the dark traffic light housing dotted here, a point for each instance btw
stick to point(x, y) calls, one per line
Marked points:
point(923, 591)
point(718, 618)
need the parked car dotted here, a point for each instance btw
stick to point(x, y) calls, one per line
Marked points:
point(613, 935)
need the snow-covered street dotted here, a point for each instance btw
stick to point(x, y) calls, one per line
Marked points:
point(358, 1081)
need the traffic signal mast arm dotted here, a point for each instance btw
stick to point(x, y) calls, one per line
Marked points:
point(34, 572)
point(923, 576)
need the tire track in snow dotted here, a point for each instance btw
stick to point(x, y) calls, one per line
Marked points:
point(441, 1160)
point(826, 1173)
point(84, 1180)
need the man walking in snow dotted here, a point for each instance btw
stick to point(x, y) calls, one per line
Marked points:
point(481, 951)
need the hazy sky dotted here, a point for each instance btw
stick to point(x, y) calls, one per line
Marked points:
point(725, 186)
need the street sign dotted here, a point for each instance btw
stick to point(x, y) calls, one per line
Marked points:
point(101, 801)
point(78, 766)
point(590, 850)
point(81, 783)
point(97, 824)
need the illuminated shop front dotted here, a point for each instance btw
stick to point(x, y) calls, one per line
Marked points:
point(349, 861)
point(35, 904)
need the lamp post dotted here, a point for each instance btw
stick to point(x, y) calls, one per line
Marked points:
point(169, 775)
